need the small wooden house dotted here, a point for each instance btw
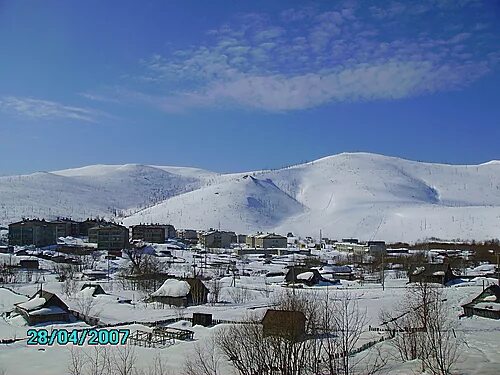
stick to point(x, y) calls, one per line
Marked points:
point(184, 292)
point(96, 289)
point(439, 273)
point(302, 275)
point(290, 325)
point(30, 264)
point(486, 304)
point(204, 320)
point(43, 307)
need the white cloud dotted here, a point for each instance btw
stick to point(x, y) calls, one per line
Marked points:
point(306, 58)
point(45, 109)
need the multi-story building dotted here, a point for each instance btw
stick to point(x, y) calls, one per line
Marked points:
point(242, 238)
point(270, 240)
point(187, 234)
point(250, 240)
point(66, 227)
point(109, 236)
point(32, 232)
point(371, 247)
point(153, 233)
point(85, 225)
point(217, 239)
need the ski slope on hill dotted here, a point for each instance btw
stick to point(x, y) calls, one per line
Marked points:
point(347, 195)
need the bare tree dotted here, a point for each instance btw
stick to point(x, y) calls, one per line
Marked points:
point(136, 257)
point(423, 329)
point(86, 305)
point(206, 359)
point(238, 294)
point(333, 329)
point(97, 361)
point(158, 367)
point(124, 360)
point(101, 360)
point(76, 362)
point(215, 288)
point(441, 341)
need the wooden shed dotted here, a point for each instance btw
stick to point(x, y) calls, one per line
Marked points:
point(303, 275)
point(31, 264)
point(204, 320)
point(181, 292)
point(287, 324)
point(439, 273)
point(97, 289)
point(486, 304)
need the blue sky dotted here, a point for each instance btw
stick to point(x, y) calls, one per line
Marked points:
point(232, 86)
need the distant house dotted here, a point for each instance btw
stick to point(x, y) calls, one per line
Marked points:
point(35, 232)
point(303, 275)
point(439, 273)
point(486, 304)
point(43, 307)
point(109, 236)
point(184, 292)
point(217, 239)
point(266, 241)
point(250, 239)
point(95, 289)
point(29, 263)
point(154, 233)
point(188, 235)
point(338, 272)
point(376, 247)
point(287, 324)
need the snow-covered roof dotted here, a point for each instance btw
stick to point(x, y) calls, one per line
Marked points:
point(32, 304)
point(305, 276)
point(492, 306)
point(418, 270)
point(50, 310)
point(172, 288)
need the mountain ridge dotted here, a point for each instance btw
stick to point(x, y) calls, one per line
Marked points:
point(345, 195)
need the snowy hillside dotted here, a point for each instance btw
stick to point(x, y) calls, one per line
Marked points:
point(352, 195)
point(360, 195)
point(242, 204)
point(103, 190)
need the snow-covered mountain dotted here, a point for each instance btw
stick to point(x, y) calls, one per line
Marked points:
point(347, 195)
point(104, 190)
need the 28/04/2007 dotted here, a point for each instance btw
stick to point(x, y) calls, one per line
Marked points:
point(78, 337)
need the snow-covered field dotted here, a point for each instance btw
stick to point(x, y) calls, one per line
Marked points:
point(251, 294)
point(347, 195)
point(480, 355)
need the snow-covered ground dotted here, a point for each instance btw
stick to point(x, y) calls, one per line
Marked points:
point(244, 295)
point(347, 195)
point(480, 355)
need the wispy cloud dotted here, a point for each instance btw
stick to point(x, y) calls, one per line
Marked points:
point(303, 58)
point(45, 109)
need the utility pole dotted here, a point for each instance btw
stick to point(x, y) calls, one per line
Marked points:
point(498, 267)
point(383, 272)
